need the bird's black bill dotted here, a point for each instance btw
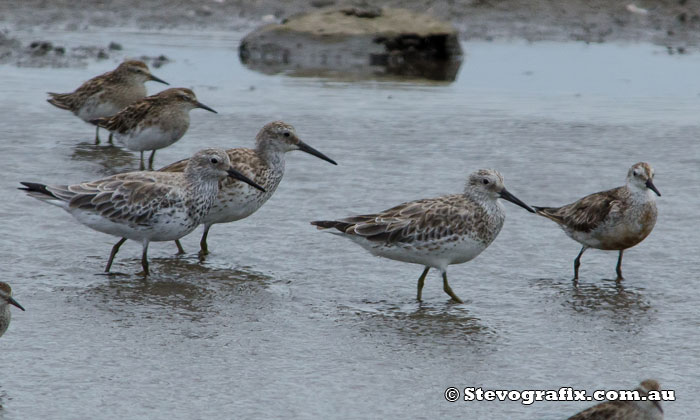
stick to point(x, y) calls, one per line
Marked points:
point(237, 175)
point(201, 105)
point(159, 80)
point(14, 302)
point(310, 150)
point(513, 199)
point(652, 187)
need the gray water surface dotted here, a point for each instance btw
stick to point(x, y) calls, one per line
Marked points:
point(283, 321)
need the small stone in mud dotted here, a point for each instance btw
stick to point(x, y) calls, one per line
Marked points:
point(204, 11)
point(156, 62)
point(322, 3)
point(102, 54)
point(114, 46)
point(40, 47)
point(368, 12)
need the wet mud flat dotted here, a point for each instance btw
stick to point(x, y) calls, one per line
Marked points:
point(279, 305)
point(671, 23)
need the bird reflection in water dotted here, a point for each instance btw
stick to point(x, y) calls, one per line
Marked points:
point(111, 159)
point(182, 286)
point(420, 322)
point(607, 298)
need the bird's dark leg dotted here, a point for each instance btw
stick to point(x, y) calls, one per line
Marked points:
point(446, 287)
point(142, 166)
point(203, 248)
point(110, 140)
point(180, 249)
point(97, 135)
point(421, 281)
point(577, 263)
point(144, 259)
point(618, 269)
point(112, 254)
point(150, 160)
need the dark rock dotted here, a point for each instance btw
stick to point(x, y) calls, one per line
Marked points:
point(358, 41)
point(155, 62)
point(115, 46)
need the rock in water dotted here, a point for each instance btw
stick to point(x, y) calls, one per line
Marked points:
point(357, 41)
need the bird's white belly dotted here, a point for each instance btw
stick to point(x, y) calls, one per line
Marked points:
point(94, 108)
point(164, 227)
point(148, 138)
point(438, 254)
point(230, 207)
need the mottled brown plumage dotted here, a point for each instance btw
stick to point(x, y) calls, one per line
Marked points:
point(144, 206)
point(153, 122)
point(626, 410)
point(265, 164)
point(108, 93)
point(611, 220)
point(431, 219)
point(6, 300)
point(434, 232)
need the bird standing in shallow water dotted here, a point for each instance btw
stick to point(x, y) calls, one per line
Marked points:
point(145, 206)
point(106, 94)
point(6, 300)
point(627, 410)
point(611, 220)
point(434, 232)
point(153, 122)
point(265, 164)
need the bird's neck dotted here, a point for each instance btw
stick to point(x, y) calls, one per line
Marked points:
point(491, 206)
point(203, 186)
point(273, 156)
point(640, 195)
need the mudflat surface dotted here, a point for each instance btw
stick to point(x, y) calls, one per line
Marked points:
point(284, 321)
point(669, 23)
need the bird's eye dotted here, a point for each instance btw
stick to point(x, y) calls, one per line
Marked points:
point(214, 161)
point(485, 181)
point(286, 134)
point(635, 173)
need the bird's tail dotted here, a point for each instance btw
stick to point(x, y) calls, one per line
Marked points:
point(37, 190)
point(101, 122)
point(548, 212)
point(330, 224)
point(59, 100)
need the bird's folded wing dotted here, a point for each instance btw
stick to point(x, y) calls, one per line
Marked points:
point(589, 212)
point(420, 220)
point(122, 198)
point(129, 117)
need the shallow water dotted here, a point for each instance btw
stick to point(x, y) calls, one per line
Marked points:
point(285, 321)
